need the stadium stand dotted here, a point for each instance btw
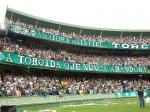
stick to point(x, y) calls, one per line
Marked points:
point(126, 40)
point(37, 85)
point(62, 55)
point(34, 65)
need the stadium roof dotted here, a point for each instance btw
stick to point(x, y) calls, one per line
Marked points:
point(72, 25)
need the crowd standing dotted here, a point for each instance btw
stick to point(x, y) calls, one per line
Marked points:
point(121, 39)
point(34, 85)
point(61, 55)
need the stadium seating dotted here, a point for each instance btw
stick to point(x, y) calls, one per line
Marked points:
point(37, 50)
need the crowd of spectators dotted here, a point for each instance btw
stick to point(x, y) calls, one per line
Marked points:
point(34, 85)
point(61, 55)
point(121, 39)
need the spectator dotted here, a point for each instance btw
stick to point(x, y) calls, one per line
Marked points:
point(35, 85)
point(61, 55)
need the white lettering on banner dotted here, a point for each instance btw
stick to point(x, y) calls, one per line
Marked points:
point(73, 41)
point(71, 66)
point(90, 43)
point(57, 38)
point(39, 35)
point(66, 65)
point(125, 46)
point(53, 37)
point(21, 57)
point(115, 44)
point(42, 35)
point(111, 69)
point(95, 43)
point(83, 42)
point(121, 69)
point(105, 69)
point(47, 63)
point(144, 46)
point(142, 69)
point(18, 59)
point(100, 43)
point(65, 39)
point(41, 62)
point(117, 69)
point(85, 66)
point(100, 67)
point(90, 67)
point(52, 63)
point(130, 69)
point(9, 58)
point(78, 67)
point(135, 69)
point(45, 36)
point(95, 67)
point(50, 37)
point(58, 65)
point(126, 69)
point(28, 60)
point(62, 39)
point(134, 46)
point(34, 61)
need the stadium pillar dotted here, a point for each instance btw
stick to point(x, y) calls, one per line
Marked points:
point(121, 34)
point(141, 34)
point(11, 16)
point(58, 28)
point(36, 23)
point(80, 31)
point(101, 34)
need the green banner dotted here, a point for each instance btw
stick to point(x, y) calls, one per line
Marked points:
point(14, 58)
point(128, 94)
point(89, 43)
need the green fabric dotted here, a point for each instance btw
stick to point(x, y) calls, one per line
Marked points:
point(14, 58)
point(89, 43)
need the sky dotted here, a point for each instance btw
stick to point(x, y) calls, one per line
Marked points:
point(115, 14)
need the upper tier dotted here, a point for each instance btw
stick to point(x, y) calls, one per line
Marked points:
point(37, 55)
point(77, 35)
